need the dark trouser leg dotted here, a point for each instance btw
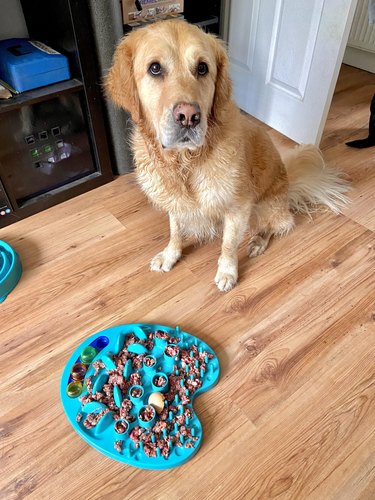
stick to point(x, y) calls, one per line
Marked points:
point(370, 140)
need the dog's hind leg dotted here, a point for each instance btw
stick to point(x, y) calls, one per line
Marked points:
point(258, 243)
point(165, 260)
point(273, 218)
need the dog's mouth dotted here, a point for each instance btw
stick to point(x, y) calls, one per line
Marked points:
point(189, 139)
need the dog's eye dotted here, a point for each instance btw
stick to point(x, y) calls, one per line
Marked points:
point(202, 69)
point(155, 69)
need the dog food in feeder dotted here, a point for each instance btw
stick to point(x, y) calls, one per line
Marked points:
point(129, 391)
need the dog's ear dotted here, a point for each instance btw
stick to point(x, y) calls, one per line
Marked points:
point(119, 84)
point(223, 86)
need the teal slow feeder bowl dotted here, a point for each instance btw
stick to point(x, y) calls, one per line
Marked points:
point(10, 270)
point(125, 398)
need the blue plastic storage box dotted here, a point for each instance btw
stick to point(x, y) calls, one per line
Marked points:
point(28, 64)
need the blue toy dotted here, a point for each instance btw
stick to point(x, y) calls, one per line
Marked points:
point(10, 270)
point(128, 391)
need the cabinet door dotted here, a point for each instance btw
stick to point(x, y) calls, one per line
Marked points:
point(285, 58)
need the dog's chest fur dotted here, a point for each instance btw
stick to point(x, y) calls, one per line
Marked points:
point(179, 190)
point(197, 194)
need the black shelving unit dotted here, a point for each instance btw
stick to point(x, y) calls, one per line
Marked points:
point(204, 14)
point(53, 140)
point(41, 94)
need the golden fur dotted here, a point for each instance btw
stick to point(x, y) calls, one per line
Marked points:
point(226, 169)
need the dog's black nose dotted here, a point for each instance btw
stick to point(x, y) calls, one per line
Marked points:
point(187, 115)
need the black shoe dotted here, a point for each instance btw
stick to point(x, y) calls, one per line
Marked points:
point(370, 140)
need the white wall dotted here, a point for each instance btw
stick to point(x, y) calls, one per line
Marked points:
point(12, 21)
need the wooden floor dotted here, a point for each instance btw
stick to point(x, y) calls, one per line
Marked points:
point(293, 416)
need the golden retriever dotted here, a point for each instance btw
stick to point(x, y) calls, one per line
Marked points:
point(198, 158)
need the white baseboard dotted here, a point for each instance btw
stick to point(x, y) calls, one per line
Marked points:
point(362, 59)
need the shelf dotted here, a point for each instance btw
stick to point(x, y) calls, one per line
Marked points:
point(198, 21)
point(41, 94)
point(204, 22)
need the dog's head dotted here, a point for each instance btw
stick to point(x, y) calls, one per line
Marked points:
point(174, 77)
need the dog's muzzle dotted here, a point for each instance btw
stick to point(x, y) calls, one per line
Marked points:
point(184, 127)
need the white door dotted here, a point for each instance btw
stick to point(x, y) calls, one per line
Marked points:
point(285, 58)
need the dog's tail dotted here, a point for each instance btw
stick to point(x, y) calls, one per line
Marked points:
point(312, 184)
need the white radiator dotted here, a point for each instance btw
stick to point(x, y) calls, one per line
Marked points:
point(360, 49)
point(362, 34)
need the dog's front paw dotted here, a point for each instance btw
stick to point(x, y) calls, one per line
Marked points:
point(225, 281)
point(163, 262)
